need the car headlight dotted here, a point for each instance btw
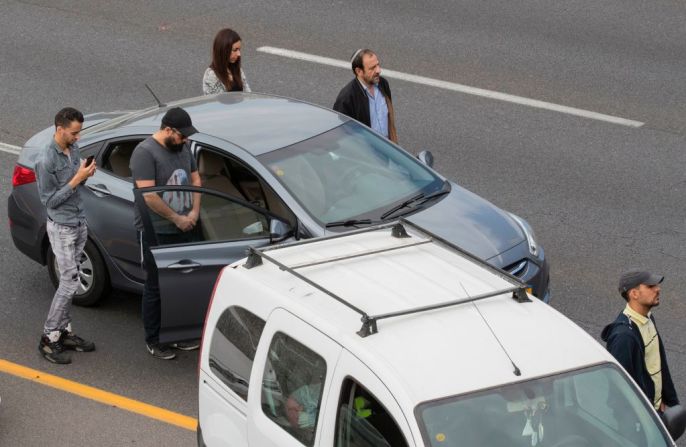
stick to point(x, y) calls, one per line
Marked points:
point(528, 232)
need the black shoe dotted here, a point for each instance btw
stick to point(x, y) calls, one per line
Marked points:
point(160, 351)
point(73, 342)
point(185, 345)
point(53, 351)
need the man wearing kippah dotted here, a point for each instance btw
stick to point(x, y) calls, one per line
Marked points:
point(634, 341)
point(367, 98)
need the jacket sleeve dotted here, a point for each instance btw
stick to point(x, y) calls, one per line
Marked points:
point(669, 396)
point(244, 80)
point(211, 83)
point(343, 103)
point(623, 348)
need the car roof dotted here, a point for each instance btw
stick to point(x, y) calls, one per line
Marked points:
point(255, 122)
point(431, 354)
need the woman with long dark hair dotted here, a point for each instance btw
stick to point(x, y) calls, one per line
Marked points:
point(225, 73)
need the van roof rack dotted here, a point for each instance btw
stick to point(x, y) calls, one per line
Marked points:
point(398, 230)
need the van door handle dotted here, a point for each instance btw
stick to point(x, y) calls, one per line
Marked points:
point(185, 264)
point(99, 188)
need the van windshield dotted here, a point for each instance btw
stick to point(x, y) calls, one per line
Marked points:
point(349, 172)
point(591, 407)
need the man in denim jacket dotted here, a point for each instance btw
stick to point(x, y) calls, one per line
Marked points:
point(60, 173)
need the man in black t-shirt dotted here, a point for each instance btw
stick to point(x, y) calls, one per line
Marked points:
point(164, 159)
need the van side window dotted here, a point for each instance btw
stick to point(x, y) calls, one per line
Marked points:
point(116, 158)
point(363, 422)
point(292, 387)
point(234, 342)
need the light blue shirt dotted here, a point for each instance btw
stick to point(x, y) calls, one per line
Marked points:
point(378, 110)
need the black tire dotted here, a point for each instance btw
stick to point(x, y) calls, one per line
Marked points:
point(93, 278)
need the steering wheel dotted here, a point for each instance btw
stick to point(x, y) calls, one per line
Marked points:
point(348, 176)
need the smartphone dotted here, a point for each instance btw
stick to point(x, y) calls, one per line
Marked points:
point(89, 160)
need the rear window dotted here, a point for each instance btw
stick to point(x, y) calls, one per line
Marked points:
point(232, 351)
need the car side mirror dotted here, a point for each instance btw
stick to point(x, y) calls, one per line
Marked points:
point(674, 419)
point(279, 230)
point(426, 157)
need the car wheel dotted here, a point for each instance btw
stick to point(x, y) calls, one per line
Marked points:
point(93, 281)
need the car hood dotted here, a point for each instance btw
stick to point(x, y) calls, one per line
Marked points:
point(471, 223)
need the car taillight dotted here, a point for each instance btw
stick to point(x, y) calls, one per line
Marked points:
point(209, 307)
point(22, 176)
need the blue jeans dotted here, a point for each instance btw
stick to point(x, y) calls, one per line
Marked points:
point(67, 244)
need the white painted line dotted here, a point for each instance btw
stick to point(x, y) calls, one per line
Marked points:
point(457, 87)
point(4, 147)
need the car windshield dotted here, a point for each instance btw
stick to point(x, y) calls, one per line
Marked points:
point(585, 408)
point(349, 173)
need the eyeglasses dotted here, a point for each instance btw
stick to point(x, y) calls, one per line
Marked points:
point(177, 131)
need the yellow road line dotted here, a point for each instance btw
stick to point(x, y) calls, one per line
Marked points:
point(99, 395)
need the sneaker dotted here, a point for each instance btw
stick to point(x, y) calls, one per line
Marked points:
point(53, 351)
point(185, 345)
point(73, 342)
point(160, 351)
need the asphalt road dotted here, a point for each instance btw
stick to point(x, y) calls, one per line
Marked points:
point(601, 197)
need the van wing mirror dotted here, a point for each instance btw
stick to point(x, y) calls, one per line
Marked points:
point(279, 230)
point(426, 157)
point(674, 419)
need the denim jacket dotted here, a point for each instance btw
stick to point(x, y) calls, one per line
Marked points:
point(54, 170)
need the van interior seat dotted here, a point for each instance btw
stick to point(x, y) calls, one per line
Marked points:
point(214, 175)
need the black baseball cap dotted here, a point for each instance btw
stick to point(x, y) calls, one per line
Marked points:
point(634, 278)
point(180, 120)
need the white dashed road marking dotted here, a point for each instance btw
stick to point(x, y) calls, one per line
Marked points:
point(10, 149)
point(457, 87)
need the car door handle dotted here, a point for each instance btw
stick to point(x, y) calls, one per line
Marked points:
point(99, 188)
point(184, 265)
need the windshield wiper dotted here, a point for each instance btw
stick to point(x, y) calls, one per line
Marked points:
point(421, 197)
point(349, 223)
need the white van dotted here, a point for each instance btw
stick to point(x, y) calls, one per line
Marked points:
point(390, 336)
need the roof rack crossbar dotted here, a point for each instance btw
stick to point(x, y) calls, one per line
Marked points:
point(361, 254)
point(469, 299)
point(256, 252)
point(369, 325)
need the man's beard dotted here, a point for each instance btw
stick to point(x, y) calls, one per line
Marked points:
point(169, 144)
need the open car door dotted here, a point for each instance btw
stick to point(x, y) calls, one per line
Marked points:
point(189, 262)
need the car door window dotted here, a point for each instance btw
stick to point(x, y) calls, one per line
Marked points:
point(116, 157)
point(362, 421)
point(233, 177)
point(221, 218)
point(91, 149)
point(292, 387)
point(232, 350)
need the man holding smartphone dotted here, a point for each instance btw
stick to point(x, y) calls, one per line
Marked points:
point(60, 172)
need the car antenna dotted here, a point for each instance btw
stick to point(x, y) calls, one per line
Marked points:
point(159, 103)
point(517, 372)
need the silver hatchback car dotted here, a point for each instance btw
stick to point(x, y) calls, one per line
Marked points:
point(272, 168)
